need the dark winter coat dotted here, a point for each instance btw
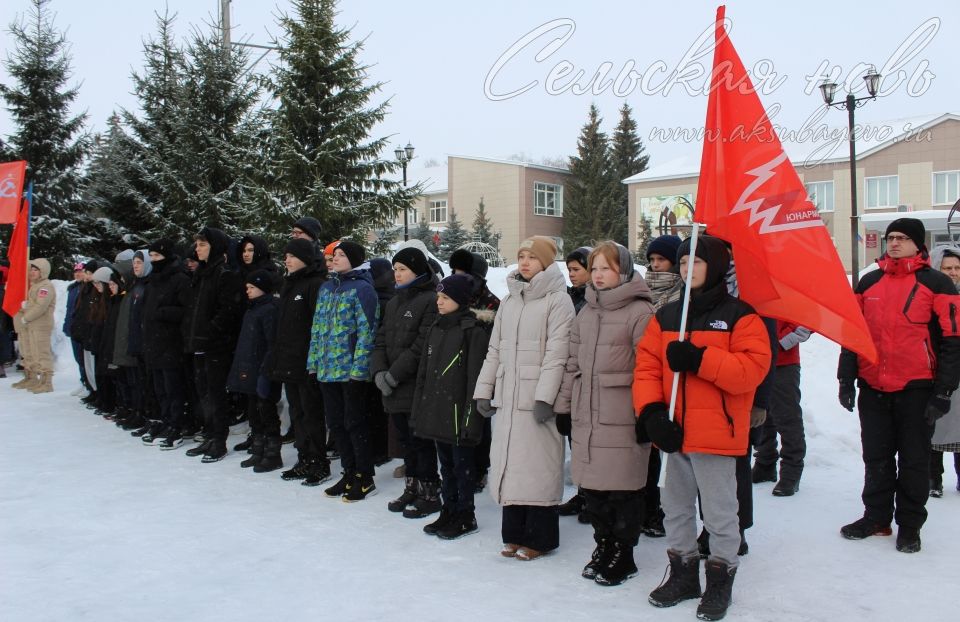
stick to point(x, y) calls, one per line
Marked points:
point(108, 334)
point(261, 256)
point(215, 309)
point(257, 335)
point(163, 313)
point(121, 337)
point(70, 311)
point(912, 312)
point(287, 360)
point(578, 295)
point(400, 339)
point(443, 406)
point(137, 295)
point(81, 324)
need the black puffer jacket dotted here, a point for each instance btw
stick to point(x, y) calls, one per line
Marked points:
point(162, 315)
point(287, 360)
point(257, 335)
point(444, 409)
point(261, 256)
point(216, 306)
point(400, 338)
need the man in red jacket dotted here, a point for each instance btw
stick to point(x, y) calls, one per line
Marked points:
point(911, 310)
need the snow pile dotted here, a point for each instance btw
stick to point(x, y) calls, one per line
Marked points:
point(96, 526)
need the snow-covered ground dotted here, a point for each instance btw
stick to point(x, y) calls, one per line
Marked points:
point(96, 526)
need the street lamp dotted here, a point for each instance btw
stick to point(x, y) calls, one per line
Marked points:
point(404, 155)
point(851, 103)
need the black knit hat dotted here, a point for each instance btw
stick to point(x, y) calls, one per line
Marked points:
point(412, 258)
point(666, 246)
point(912, 228)
point(355, 252)
point(461, 259)
point(580, 255)
point(163, 246)
point(301, 249)
point(263, 280)
point(310, 226)
point(459, 287)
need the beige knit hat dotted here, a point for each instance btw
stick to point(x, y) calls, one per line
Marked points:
point(543, 247)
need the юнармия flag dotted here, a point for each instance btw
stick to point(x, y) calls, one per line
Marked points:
point(751, 196)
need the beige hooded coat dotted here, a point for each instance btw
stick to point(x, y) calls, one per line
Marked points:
point(524, 364)
point(597, 388)
point(35, 321)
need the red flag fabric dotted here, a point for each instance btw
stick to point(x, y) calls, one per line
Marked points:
point(16, 291)
point(11, 188)
point(751, 196)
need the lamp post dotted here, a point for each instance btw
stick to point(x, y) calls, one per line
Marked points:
point(851, 103)
point(404, 155)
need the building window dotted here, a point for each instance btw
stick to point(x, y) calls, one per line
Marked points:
point(821, 195)
point(438, 211)
point(946, 187)
point(883, 191)
point(411, 216)
point(547, 199)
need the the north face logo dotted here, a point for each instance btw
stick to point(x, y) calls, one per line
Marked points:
point(718, 325)
point(408, 314)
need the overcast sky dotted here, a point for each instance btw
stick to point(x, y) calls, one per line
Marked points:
point(465, 78)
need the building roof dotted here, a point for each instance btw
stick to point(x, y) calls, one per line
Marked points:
point(433, 176)
point(513, 163)
point(819, 149)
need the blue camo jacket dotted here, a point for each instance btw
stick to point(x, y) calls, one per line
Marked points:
point(344, 326)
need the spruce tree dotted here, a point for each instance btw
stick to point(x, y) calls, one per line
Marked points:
point(590, 210)
point(644, 237)
point(483, 227)
point(425, 234)
point(627, 154)
point(323, 161)
point(453, 237)
point(47, 136)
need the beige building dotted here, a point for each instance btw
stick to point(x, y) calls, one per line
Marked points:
point(521, 199)
point(908, 167)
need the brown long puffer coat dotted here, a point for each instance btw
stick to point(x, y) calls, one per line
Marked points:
point(525, 362)
point(597, 388)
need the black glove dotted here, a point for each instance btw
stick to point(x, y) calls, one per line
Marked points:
point(684, 356)
point(664, 432)
point(848, 394)
point(564, 424)
point(485, 409)
point(641, 431)
point(382, 380)
point(542, 411)
point(937, 407)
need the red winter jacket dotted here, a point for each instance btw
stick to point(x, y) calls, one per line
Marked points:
point(911, 310)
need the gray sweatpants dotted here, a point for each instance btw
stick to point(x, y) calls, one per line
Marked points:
point(715, 478)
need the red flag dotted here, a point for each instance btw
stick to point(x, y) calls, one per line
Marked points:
point(17, 253)
point(11, 187)
point(751, 196)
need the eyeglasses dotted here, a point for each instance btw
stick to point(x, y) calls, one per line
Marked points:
point(897, 238)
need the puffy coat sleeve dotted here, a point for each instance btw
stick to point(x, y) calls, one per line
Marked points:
point(946, 304)
point(404, 369)
point(487, 379)
point(45, 298)
point(378, 358)
point(230, 306)
point(743, 367)
point(560, 316)
point(648, 370)
point(366, 310)
point(571, 370)
point(477, 342)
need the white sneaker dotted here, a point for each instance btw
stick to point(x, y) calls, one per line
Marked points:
point(80, 392)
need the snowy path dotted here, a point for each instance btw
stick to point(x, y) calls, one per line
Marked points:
point(96, 526)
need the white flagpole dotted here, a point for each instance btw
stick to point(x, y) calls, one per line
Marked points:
point(694, 231)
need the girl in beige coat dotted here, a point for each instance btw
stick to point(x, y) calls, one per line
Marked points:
point(608, 464)
point(34, 324)
point(519, 381)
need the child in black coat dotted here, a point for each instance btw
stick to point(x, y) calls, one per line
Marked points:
point(444, 409)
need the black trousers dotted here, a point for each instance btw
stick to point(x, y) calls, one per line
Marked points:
point(482, 451)
point(419, 455)
point(936, 466)
point(533, 526)
point(457, 464)
point(379, 426)
point(651, 492)
point(262, 416)
point(896, 455)
point(210, 376)
point(616, 514)
point(168, 386)
point(346, 411)
point(307, 419)
point(786, 419)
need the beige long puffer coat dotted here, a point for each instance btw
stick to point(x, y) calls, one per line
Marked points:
point(525, 362)
point(597, 388)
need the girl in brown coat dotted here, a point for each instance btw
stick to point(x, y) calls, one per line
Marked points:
point(607, 463)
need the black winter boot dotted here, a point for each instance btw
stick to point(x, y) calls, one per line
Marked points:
point(763, 473)
point(361, 487)
point(341, 487)
point(427, 501)
point(318, 471)
point(573, 507)
point(683, 583)
point(255, 447)
point(271, 460)
point(716, 598)
point(409, 496)
point(299, 470)
point(619, 565)
point(246, 444)
point(216, 451)
point(597, 559)
point(461, 524)
point(200, 449)
point(908, 540)
point(446, 515)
